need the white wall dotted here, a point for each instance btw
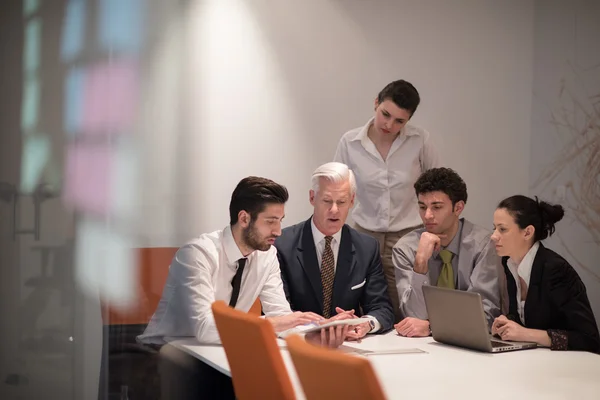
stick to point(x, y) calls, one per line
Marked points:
point(566, 130)
point(269, 87)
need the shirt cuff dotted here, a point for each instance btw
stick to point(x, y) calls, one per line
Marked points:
point(419, 280)
point(377, 324)
point(558, 339)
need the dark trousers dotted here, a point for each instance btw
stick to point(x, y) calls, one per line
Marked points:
point(183, 376)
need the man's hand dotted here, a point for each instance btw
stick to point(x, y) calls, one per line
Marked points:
point(331, 337)
point(289, 321)
point(357, 332)
point(428, 243)
point(412, 327)
point(342, 314)
point(509, 330)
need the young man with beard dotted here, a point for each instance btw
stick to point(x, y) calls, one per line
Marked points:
point(449, 252)
point(206, 270)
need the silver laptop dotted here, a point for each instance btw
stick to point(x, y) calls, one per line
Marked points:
point(457, 318)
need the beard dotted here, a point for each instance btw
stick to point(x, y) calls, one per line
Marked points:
point(253, 240)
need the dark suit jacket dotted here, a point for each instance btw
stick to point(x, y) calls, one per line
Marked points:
point(556, 302)
point(358, 261)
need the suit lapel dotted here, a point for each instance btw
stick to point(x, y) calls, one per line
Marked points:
point(307, 257)
point(344, 268)
point(533, 291)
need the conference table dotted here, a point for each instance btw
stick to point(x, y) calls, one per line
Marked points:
point(439, 371)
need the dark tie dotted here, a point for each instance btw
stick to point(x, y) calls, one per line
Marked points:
point(236, 282)
point(327, 276)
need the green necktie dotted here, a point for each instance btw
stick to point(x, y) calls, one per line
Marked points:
point(446, 278)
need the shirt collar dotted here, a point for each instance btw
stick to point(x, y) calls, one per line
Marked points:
point(454, 245)
point(232, 251)
point(362, 135)
point(318, 236)
point(524, 268)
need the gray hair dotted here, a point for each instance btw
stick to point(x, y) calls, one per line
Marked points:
point(334, 172)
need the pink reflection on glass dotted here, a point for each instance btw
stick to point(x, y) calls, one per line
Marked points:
point(87, 177)
point(110, 97)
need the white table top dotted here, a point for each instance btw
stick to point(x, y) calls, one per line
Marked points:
point(447, 372)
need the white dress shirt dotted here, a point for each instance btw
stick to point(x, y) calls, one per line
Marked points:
point(201, 273)
point(319, 239)
point(386, 200)
point(523, 270)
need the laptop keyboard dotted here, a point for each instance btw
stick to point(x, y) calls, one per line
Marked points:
point(496, 344)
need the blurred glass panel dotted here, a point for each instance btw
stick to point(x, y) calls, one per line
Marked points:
point(33, 36)
point(120, 25)
point(30, 6)
point(30, 104)
point(36, 154)
point(73, 108)
point(73, 34)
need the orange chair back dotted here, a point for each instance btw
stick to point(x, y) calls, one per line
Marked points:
point(257, 369)
point(256, 308)
point(152, 270)
point(328, 374)
point(151, 275)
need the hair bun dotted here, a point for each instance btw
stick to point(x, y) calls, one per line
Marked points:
point(550, 215)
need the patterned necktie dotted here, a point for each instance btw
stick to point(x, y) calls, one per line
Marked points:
point(446, 278)
point(236, 282)
point(327, 276)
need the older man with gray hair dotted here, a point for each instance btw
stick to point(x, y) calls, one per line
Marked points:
point(327, 267)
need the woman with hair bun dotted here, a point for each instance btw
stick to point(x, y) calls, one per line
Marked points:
point(547, 300)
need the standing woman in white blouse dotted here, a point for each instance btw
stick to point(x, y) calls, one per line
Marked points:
point(387, 156)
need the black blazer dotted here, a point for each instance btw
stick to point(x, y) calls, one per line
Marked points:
point(556, 302)
point(359, 282)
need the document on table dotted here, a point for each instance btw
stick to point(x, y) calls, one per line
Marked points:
point(365, 352)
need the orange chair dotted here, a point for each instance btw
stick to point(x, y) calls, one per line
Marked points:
point(125, 356)
point(151, 275)
point(257, 369)
point(256, 308)
point(152, 270)
point(328, 374)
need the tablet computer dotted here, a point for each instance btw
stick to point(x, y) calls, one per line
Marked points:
point(315, 326)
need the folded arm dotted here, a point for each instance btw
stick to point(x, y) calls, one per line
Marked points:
point(409, 283)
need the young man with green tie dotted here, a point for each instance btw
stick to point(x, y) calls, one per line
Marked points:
point(449, 251)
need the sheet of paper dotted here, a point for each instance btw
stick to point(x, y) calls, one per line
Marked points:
point(366, 352)
point(394, 351)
